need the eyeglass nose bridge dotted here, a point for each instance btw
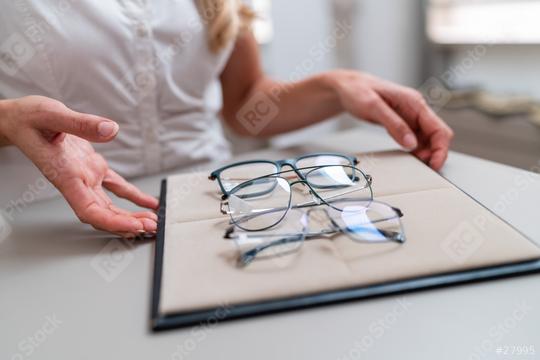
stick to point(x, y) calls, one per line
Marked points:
point(313, 213)
point(295, 170)
point(292, 183)
point(315, 197)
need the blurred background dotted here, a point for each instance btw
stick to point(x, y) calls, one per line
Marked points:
point(476, 61)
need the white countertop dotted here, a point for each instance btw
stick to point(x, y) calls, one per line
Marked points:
point(55, 304)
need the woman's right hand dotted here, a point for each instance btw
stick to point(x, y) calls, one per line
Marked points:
point(56, 139)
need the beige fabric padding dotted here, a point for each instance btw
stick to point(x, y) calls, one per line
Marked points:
point(446, 231)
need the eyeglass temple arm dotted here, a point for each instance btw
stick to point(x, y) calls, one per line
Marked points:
point(313, 202)
point(248, 256)
point(298, 206)
point(229, 234)
point(251, 216)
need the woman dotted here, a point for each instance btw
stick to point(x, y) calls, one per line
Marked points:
point(150, 66)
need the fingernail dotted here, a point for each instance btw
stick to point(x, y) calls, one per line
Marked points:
point(149, 225)
point(409, 141)
point(107, 129)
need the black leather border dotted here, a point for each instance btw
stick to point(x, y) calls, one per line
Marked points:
point(161, 322)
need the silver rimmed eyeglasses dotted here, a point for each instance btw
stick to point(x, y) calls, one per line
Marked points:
point(362, 221)
point(263, 202)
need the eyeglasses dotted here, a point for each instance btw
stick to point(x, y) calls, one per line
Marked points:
point(261, 203)
point(234, 174)
point(361, 221)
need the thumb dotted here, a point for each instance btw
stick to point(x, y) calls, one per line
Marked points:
point(90, 127)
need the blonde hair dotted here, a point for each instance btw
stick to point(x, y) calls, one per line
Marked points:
point(225, 20)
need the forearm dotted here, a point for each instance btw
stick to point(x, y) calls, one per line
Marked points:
point(272, 107)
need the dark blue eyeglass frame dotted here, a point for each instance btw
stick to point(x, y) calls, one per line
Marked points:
point(279, 164)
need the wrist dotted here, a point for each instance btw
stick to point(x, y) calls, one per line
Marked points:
point(331, 83)
point(340, 79)
point(4, 118)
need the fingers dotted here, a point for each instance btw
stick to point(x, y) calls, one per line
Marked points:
point(430, 124)
point(60, 119)
point(440, 142)
point(433, 150)
point(138, 214)
point(105, 219)
point(439, 136)
point(119, 186)
point(148, 218)
point(93, 210)
point(413, 108)
point(424, 154)
point(108, 220)
point(394, 124)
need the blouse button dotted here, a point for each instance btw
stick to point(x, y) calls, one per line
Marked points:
point(142, 31)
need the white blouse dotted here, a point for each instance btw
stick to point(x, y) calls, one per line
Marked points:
point(143, 63)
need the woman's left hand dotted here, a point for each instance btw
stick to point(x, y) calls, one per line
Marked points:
point(402, 111)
